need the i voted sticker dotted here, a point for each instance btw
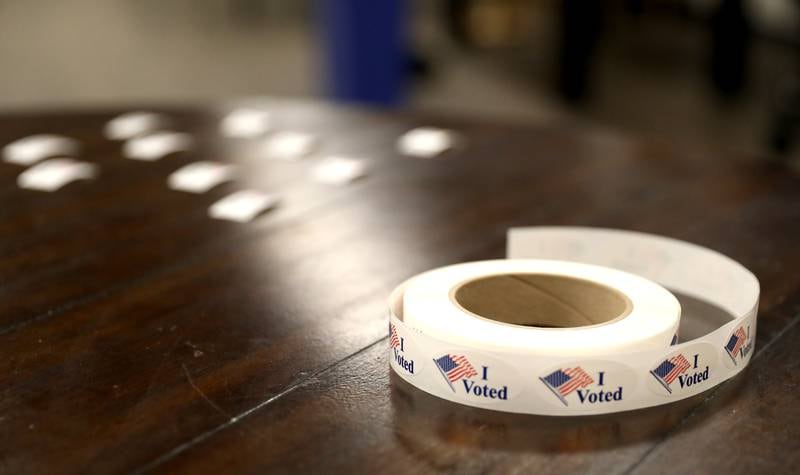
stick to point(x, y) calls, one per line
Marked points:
point(405, 355)
point(246, 123)
point(739, 344)
point(289, 145)
point(584, 385)
point(339, 171)
point(133, 124)
point(55, 173)
point(688, 371)
point(199, 177)
point(425, 142)
point(34, 148)
point(477, 377)
point(243, 206)
point(157, 145)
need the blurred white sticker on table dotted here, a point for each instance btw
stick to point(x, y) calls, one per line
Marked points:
point(425, 142)
point(339, 170)
point(199, 177)
point(52, 174)
point(156, 145)
point(246, 123)
point(31, 149)
point(242, 206)
point(133, 124)
point(289, 145)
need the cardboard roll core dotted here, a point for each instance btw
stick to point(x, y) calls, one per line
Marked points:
point(541, 300)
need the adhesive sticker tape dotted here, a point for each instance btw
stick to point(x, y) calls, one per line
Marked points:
point(577, 321)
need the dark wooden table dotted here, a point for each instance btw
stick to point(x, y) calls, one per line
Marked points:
point(139, 335)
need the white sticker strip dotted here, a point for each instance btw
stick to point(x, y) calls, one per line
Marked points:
point(289, 145)
point(615, 367)
point(339, 170)
point(242, 206)
point(199, 177)
point(425, 142)
point(246, 123)
point(156, 146)
point(53, 174)
point(29, 150)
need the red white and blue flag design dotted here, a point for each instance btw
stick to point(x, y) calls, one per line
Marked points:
point(454, 367)
point(562, 382)
point(394, 340)
point(735, 343)
point(669, 369)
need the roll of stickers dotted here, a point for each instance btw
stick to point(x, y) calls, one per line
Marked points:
point(576, 321)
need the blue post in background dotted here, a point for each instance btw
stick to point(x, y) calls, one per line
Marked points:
point(364, 50)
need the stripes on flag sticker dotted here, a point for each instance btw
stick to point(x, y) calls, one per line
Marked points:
point(454, 368)
point(562, 382)
point(735, 343)
point(394, 340)
point(669, 369)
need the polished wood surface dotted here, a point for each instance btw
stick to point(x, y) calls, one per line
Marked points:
point(140, 336)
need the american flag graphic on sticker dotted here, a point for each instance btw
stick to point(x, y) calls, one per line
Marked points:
point(735, 343)
point(669, 369)
point(394, 340)
point(454, 367)
point(562, 382)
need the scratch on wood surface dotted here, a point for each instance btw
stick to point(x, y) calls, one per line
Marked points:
point(203, 395)
point(151, 383)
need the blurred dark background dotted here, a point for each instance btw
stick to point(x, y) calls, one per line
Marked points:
point(713, 72)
